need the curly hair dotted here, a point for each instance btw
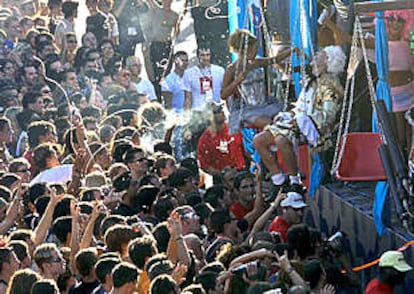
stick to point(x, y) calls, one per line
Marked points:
point(237, 39)
point(336, 59)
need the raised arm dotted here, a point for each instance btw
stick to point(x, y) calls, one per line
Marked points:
point(177, 249)
point(88, 234)
point(42, 228)
point(13, 213)
point(117, 12)
point(261, 62)
point(261, 221)
point(230, 83)
point(341, 36)
point(75, 238)
point(252, 216)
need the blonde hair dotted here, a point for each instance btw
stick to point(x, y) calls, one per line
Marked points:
point(238, 39)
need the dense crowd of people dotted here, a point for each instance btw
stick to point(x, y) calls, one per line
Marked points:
point(111, 182)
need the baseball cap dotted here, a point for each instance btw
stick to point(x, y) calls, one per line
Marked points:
point(294, 200)
point(395, 260)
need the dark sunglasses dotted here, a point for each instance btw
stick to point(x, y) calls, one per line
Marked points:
point(140, 159)
point(247, 186)
point(397, 18)
point(56, 260)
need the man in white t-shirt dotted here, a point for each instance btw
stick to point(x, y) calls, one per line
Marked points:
point(142, 85)
point(172, 86)
point(202, 82)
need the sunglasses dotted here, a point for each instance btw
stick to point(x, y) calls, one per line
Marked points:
point(247, 186)
point(298, 209)
point(140, 159)
point(23, 170)
point(393, 17)
point(56, 260)
point(190, 215)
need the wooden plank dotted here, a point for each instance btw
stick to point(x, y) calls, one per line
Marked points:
point(361, 7)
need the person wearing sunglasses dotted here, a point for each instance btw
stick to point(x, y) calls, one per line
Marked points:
point(137, 162)
point(293, 208)
point(401, 76)
point(49, 261)
point(189, 219)
point(21, 167)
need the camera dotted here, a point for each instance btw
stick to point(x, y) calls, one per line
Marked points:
point(333, 244)
point(122, 182)
point(241, 269)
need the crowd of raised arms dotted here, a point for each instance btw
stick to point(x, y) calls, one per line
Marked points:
point(116, 181)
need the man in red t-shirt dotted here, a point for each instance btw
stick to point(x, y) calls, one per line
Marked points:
point(392, 271)
point(218, 149)
point(292, 214)
point(244, 188)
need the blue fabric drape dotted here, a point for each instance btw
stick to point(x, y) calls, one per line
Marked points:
point(383, 92)
point(303, 32)
point(258, 26)
point(238, 17)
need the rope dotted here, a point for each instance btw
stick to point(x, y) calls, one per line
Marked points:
point(376, 261)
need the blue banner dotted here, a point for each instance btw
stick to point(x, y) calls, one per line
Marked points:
point(383, 92)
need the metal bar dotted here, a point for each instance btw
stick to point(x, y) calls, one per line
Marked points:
point(361, 7)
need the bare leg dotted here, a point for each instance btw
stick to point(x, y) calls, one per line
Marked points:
point(262, 121)
point(285, 147)
point(262, 143)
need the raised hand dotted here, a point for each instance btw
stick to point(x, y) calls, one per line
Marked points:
point(54, 196)
point(98, 206)
point(283, 261)
point(74, 210)
point(328, 289)
point(79, 164)
point(179, 273)
point(174, 224)
point(279, 198)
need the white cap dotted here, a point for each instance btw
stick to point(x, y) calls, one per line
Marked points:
point(294, 200)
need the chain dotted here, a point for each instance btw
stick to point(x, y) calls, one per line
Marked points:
point(358, 34)
point(343, 129)
point(373, 95)
point(244, 66)
point(288, 71)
